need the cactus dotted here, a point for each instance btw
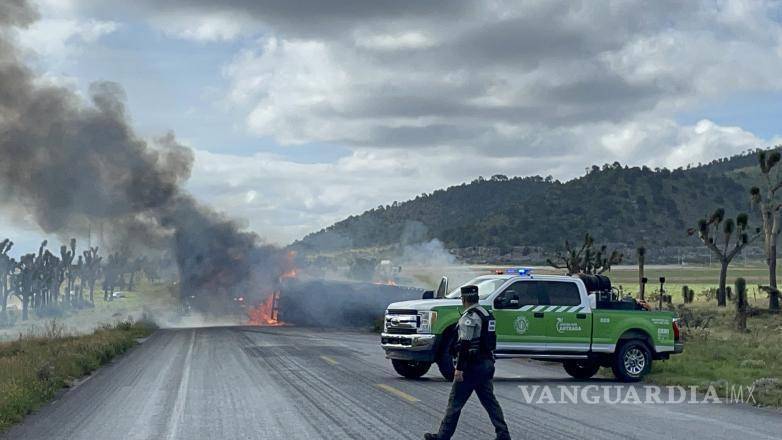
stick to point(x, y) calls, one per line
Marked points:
point(688, 295)
point(741, 305)
point(7, 267)
point(641, 260)
point(584, 259)
point(91, 270)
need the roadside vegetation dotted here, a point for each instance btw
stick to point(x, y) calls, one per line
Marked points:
point(35, 367)
point(716, 354)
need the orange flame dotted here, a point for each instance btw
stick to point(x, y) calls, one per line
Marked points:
point(386, 283)
point(265, 314)
point(289, 274)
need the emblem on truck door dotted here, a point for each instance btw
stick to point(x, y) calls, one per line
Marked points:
point(567, 326)
point(521, 325)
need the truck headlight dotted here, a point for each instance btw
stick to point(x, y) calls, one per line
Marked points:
point(426, 321)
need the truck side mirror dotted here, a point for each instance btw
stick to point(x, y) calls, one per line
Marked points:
point(429, 294)
point(507, 300)
point(442, 289)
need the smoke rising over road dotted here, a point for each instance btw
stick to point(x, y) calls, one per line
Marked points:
point(71, 164)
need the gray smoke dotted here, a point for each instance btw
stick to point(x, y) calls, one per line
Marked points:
point(72, 164)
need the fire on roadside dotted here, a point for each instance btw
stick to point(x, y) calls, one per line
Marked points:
point(385, 283)
point(266, 313)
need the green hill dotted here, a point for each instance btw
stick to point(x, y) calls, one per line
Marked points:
point(615, 203)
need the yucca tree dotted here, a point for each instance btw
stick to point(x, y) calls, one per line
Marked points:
point(725, 238)
point(769, 209)
point(67, 270)
point(742, 307)
point(91, 270)
point(585, 259)
point(7, 267)
point(641, 260)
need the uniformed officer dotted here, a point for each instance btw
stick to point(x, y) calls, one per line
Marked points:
point(474, 368)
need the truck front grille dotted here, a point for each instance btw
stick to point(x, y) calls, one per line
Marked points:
point(401, 331)
point(402, 323)
point(396, 340)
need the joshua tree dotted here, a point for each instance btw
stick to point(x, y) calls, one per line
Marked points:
point(24, 282)
point(585, 259)
point(91, 270)
point(7, 267)
point(78, 270)
point(741, 305)
point(135, 267)
point(734, 237)
point(113, 273)
point(641, 260)
point(688, 295)
point(769, 210)
point(67, 269)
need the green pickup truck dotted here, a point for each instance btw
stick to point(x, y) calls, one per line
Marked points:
point(576, 320)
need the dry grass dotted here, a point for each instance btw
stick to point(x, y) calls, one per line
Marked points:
point(36, 366)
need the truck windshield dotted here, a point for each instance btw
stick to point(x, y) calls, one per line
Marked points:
point(485, 287)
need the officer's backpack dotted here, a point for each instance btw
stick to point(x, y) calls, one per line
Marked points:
point(488, 333)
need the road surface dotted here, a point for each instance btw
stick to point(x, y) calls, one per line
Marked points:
point(293, 383)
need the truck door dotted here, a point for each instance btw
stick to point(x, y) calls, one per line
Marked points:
point(517, 328)
point(567, 319)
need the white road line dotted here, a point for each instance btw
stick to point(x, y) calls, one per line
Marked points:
point(177, 413)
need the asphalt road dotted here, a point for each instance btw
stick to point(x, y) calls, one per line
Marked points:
point(292, 383)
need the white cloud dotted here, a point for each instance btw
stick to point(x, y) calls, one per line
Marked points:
point(403, 40)
point(218, 26)
point(59, 38)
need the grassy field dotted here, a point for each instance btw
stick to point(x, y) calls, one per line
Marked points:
point(35, 367)
point(715, 354)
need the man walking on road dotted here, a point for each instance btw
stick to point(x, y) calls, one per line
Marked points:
point(474, 368)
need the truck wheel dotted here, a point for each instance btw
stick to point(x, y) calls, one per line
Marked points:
point(581, 369)
point(446, 361)
point(410, 369)
point(632, 361)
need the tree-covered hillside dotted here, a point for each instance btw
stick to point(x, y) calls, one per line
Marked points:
point(615, 203)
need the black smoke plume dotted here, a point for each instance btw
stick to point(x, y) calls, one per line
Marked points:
point(72, 164)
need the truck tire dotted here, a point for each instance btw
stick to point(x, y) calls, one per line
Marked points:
point(581, 369)
point(632, 361)
point(446, 361)
point(410, 369)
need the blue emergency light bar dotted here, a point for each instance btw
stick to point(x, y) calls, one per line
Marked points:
point(522, 271)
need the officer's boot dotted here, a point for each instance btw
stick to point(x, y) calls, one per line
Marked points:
point(429, 436)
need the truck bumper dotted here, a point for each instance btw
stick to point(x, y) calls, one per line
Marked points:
point(410, 347)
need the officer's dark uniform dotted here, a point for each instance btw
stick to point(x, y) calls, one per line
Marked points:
point(476, 345)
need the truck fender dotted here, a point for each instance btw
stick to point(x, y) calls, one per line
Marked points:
point(636, 333)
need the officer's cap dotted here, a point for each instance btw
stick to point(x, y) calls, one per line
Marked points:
point(470, 293)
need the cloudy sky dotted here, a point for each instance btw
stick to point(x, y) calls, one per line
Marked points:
point(304, 112)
